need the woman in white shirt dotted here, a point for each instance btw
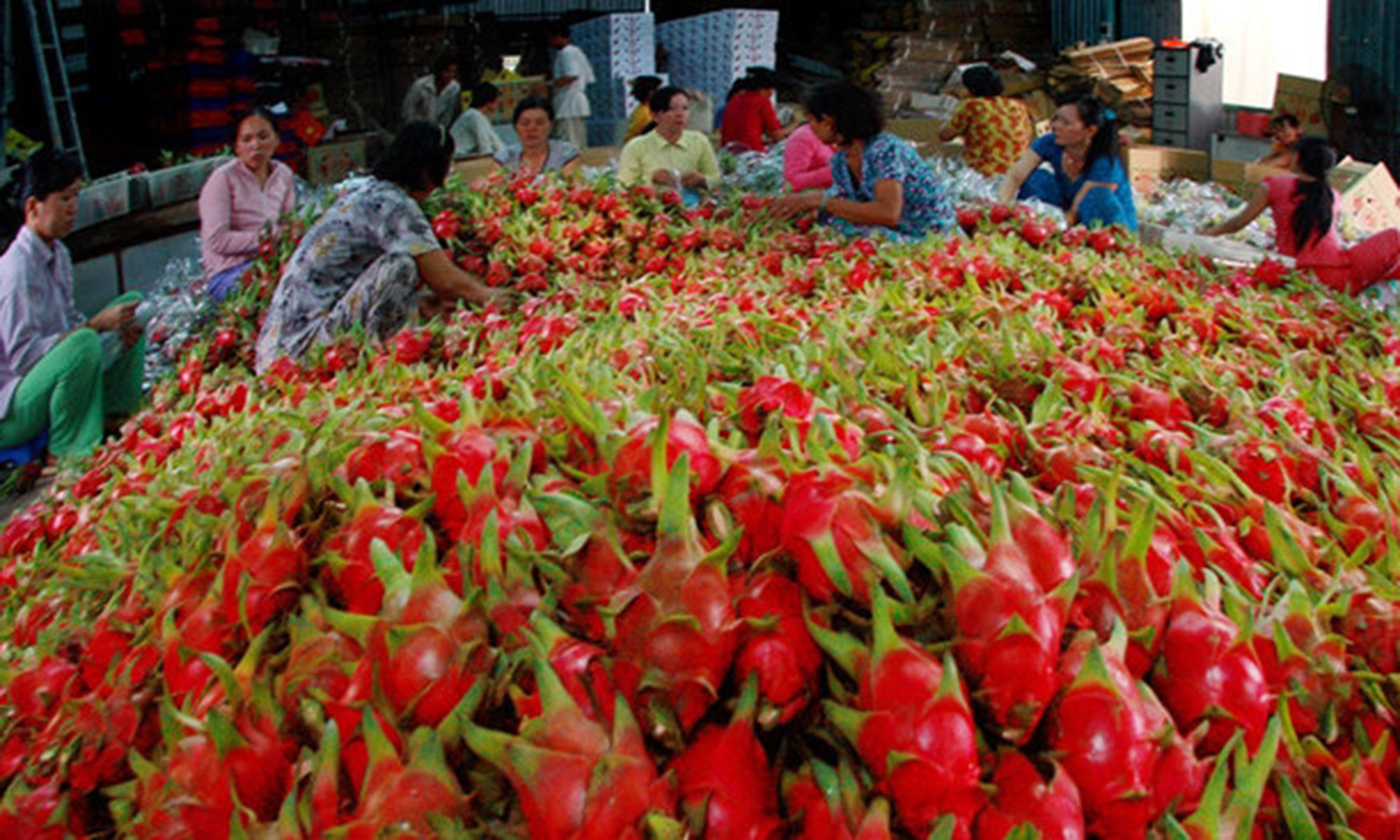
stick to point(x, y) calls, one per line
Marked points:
point(472, 132)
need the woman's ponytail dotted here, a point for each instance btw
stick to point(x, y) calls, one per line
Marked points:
point(1313, 218)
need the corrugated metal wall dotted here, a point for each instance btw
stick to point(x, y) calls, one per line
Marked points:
point(555, 8)
point(1362, 54)
point(1090, 21)
point(1072, 21)
point(1155, 19)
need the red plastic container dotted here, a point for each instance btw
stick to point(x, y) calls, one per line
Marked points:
point(1252, 123)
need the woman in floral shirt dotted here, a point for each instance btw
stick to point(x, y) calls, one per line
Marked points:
point(361, 263)
point(996, 129)
point(880, 185)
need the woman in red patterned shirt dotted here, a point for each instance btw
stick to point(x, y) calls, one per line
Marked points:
point(997, 129)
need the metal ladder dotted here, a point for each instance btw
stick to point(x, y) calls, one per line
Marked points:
point(53, 78)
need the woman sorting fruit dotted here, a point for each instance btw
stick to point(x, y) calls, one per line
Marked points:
point(1304, 207)
point(241, 200)
point(361, 263)
point(880, 185)
point(1087, 179)
point(54, 373)
point(536, 153)
point(995, 128)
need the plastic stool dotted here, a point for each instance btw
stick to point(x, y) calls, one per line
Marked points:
point(25, 453)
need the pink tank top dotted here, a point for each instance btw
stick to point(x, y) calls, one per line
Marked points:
point(1320, 252)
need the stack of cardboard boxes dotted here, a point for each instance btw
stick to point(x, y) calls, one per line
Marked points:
point(620, 47)
point(710, 52)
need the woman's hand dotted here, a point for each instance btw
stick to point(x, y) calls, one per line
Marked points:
point(1017, 175)
point(1248, 213)
point(1072, 215)
point(115, 317)
point(792, 206)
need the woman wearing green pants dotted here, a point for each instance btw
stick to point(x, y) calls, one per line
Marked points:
point(52, 369)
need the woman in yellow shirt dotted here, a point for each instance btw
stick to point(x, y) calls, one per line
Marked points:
point(642, 89)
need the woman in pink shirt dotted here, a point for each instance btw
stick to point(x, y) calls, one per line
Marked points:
point(807, 160)
point(1303, 205)
point(241, 199)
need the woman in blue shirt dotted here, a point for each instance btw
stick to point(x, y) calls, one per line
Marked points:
point(880, 184)
point(1088, 181)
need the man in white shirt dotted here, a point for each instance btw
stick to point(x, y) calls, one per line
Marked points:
point(472, 132)
point(436, 97)
point(572, 74)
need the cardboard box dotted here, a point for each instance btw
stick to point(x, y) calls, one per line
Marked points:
point(915, 130)
point(330, 162)
point(1240, 176)
point(1149, 165)
point(1370, 198)
point(1305, 99)
point(943, 150)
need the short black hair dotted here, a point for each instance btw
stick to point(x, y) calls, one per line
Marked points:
point(981, 80)
point(661, 100)
point(444, 61)
point(1283, 119)
point(530, 103)
point(47, 172)
point(484, 93)
point(256, 111)
point(855, 110)
point(763, 77)
point(644, 86)
point(419, 157)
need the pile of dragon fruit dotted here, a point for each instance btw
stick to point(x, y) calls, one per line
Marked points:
point(734, 529)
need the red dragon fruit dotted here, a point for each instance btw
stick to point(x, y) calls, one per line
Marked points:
point(1024, 797)
point(397, 799)
point(1210, 674)
point(725, 782)
point(829, 805)
point(349, 571)
point(912, 725)
point(1008, 629)
point(675, 627)
point(575, 777)
point(1101, 731)
point(751, 491)
point(772, 395)
point(829, 527)
point(775, 647)
point(631, 480)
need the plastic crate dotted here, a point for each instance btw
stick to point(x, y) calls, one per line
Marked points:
point(103, 200)
point(180, 183)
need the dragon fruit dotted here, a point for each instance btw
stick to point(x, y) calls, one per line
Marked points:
point(1008, 629)
point(775, 647)
point(1210, 674)
point(829, 527)
point(1024, 797)
point(724, 778)
point(828, 805)
point(576, 777)
point(1102, 732)
point(911, 724)
point(675, 627)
